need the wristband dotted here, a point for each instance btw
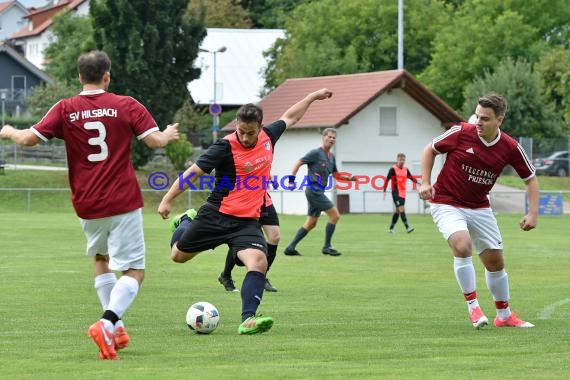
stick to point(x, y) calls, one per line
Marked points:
point(291, 178)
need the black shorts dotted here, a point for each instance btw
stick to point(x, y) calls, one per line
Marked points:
point(211, 228)
point(317, 201)
point(398, 200)
point(269, 216)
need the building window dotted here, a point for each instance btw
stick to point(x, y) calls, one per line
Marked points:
point(19, 87)
point(388, 121)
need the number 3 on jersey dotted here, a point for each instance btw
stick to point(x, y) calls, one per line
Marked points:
point(97, 141)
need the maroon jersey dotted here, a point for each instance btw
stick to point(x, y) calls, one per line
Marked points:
point(473, 165)
point(97, 128)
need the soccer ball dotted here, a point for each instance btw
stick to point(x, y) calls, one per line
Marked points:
point(203, 317)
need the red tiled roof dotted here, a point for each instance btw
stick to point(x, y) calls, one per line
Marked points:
point(44, 9)
point(5, 5)
point(351, 93)
point(26, 32)
point(42, 18)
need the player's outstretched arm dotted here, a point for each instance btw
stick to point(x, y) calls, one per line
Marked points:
point(182, 183)
point(294, 170)
point(24, 137)
point(160, 139)
point(297, 110)
point(344, 176)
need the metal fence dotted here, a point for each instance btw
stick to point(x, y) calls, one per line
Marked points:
point(53, 152)
point(543, 147)
point(59, 199)
point(38, 154)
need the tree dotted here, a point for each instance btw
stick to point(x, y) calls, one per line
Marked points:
point(221, 13)
point(179, 152)
point(529, 114)
point(152, 47)
point(44, 97)
point(270, 14)
point(194, 121)
point(330, 37)
point(484, 32)
point(554, 70)
point(73, 35)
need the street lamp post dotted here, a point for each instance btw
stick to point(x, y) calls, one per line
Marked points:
point(215, 108)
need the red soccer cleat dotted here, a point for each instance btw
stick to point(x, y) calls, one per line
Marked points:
point(104, 339)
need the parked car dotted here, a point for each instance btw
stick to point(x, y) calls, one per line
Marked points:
point(554, 164)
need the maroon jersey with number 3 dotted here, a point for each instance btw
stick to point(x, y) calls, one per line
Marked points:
point(97, 128)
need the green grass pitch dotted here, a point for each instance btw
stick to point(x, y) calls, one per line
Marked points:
point(389, 307)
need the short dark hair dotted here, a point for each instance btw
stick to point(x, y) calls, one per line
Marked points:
point(93, 65)
point(495, 101)
point(250, 113)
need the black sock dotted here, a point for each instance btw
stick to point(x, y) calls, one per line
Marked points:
point(404, 219)
point(329, 231)
point(394, 220)
point(251, 293)
point(110, 316)
point(301, 233)
point(230, 264)
point(271, 253)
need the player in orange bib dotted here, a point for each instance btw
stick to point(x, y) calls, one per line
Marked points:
point(397, 180)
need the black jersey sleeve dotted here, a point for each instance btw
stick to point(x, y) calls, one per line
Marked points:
point(216, 154)
point(389, 181)
point(275, 130)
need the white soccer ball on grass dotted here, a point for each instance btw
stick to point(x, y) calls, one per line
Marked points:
point(202, 317)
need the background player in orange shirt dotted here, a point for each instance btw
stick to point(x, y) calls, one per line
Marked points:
point(397, 180)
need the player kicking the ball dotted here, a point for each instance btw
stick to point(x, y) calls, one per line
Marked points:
point(232, 211)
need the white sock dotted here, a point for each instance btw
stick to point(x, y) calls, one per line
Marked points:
point(465, 275)
point(123, 295)
point(498, 285)
point(107, 325)
point(104, 284)
point(472, 304)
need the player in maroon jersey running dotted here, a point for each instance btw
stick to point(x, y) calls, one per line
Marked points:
point(242, 162)
point(476, 156)
point(97, 127)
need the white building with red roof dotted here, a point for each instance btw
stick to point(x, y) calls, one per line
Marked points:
point(376, 115)
point(34, 37)
point(12, 15)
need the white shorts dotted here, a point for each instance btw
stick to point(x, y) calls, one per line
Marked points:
point(119, 236)
point(481, 224)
